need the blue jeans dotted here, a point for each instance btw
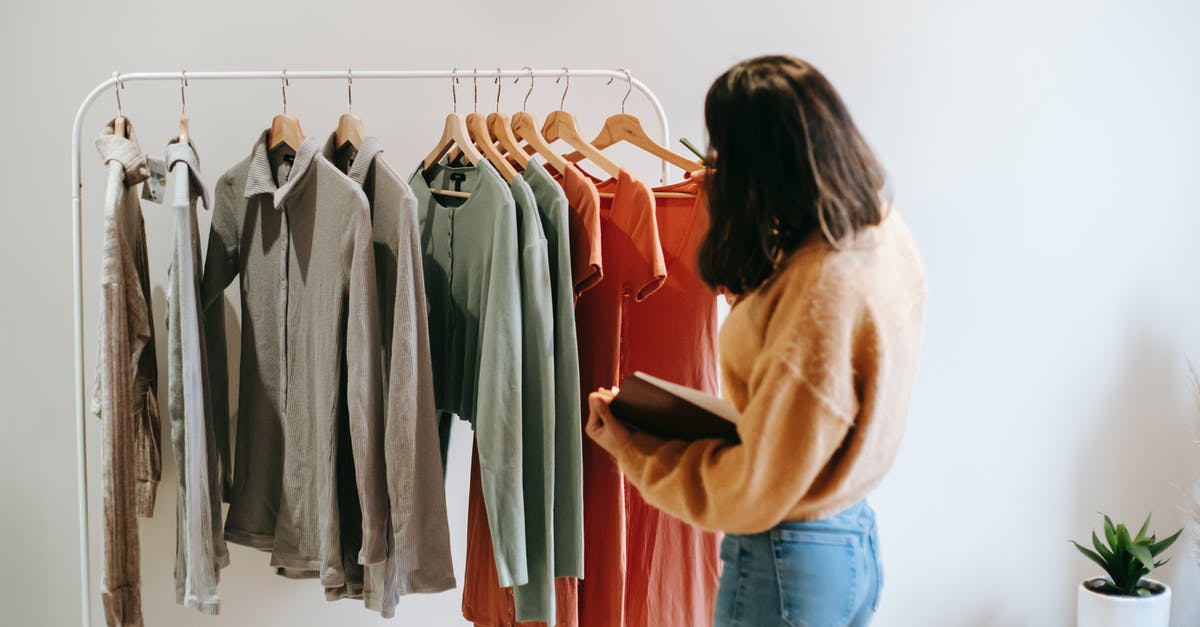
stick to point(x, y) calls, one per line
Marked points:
point(821, 573)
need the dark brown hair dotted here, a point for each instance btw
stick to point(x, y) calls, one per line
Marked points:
point(786, 160)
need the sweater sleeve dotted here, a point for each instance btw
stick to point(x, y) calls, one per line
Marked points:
point(800, 405)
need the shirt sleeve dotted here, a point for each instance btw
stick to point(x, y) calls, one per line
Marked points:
point(801, 408)
point(364, 387)
point(414, 473)
point(498, 430)
point(648, 270)
point(587, 266)
point(221, 266)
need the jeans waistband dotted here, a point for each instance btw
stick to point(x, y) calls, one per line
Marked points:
point(858, 518)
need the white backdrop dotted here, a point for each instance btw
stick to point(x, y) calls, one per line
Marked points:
point(1043, 152)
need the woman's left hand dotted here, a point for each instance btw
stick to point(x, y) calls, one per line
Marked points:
point(602, 427)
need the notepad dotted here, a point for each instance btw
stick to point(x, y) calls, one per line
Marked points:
point(672, 411)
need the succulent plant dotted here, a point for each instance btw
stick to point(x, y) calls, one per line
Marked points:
point(1125, 558)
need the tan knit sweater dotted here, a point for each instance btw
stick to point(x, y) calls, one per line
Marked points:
point(819, 361)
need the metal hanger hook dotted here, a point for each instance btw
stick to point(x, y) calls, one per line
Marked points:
point(499, 86)
point(525, 103)
point(117, 90)
point(566, 72)
point(182, 93)
point(629, 81)
point(475, 86)
point(628, 87)
point(349, 90)
point(283, 85)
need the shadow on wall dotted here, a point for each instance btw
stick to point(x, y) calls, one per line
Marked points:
point(1140, 459)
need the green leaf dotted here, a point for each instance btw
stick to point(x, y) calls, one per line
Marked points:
point(1123, 536)
point(1104, 552)
point(1159, 547)
point(1141, 534)
point(1110, 532)
point(1091, 555)
point(1142, 553)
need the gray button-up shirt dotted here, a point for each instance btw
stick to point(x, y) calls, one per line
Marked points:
point(419, 559)
point(200, 550)
point(310, 359)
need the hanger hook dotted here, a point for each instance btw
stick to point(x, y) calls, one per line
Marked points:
point(283, 85)
point(525, 103)
point(349, 90)
point(566, 72)
point(454, 88)
point(475, 86)
point(117, 90)
point(628, 87)
point(182, 93)
point(499, 86)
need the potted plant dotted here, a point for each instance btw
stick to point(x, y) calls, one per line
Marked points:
point(1124, 598)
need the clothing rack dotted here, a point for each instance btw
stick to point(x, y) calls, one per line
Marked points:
point(117, 82)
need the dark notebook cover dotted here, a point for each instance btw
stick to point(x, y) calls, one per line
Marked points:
point(672, 411)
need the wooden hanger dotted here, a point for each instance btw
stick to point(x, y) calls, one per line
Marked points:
point(625, 127)
point(183, 118)
point(501, 132)
point(477, 126)
point(482, 138)
point(628, 128)
point(285, 129)
point(562, 125)
point(349, 126)
point(500, 127)
point(525, 129)
point(454, 133)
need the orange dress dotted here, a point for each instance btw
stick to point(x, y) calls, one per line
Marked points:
point(673, 567)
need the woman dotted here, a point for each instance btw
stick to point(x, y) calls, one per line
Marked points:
point(818, 354)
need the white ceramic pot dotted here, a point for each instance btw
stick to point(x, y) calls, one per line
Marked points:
point(1103, 610)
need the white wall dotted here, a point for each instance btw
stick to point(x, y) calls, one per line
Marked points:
point(1044, 153)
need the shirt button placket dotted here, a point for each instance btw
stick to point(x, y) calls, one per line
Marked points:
point(283, 307)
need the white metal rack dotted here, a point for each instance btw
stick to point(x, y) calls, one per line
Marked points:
point(117, 81)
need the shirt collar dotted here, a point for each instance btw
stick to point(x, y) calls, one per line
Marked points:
point(259, 179)
point(186, 154)
point(124, 150)
point(367, 150)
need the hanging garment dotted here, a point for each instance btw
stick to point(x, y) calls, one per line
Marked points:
point(124, 396)
point(200, 550)
point(310, 360)
point(568, 456)
point(534, 601)
point(823, 354)
point(485, 602)
point(633, 270)
point(473, 289)
point(419, 557)
point(673, 566)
